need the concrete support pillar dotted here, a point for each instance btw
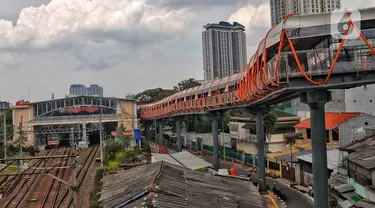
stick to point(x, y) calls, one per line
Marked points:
point(214, 117)
point(260, 148)
point(178, 132)
point(215, 137)
point(161, 128)
point(316, 101)
point(147, 126)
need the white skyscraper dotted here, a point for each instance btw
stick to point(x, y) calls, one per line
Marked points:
point(224, 49)
point(281, 8)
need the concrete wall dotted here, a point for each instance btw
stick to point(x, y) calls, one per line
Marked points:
point(336, 105)
point(361, 99)
point(354, 129)
point(247, 147)
point(26, 112)
point(127, 110)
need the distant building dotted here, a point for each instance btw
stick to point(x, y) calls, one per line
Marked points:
point(80, 89)
point(281, 8)
point(224, 49)
point(4, 105)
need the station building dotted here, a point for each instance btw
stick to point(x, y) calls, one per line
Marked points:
point(82, 114)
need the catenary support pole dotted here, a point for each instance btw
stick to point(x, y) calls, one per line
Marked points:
point(316, 101)
point(178, 132)
point(215, 136)
point(260, 147)
point(5, 135)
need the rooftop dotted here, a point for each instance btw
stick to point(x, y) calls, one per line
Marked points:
point(162, 184)
point(364, 158)
point(184, 159)
point(360, 144)
point(333, 119)
point(333, 158)
point(225, 26)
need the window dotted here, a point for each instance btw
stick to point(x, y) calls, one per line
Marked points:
point(370, 101)
point(366, 123)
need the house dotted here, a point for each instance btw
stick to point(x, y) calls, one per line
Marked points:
point(357, 173)
point(162, 184)
point(361, 172)
point(243, 132)
point(342, 128)
point(304, 168)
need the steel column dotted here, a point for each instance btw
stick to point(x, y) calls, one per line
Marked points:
point(161, 128)
point(178, 131)
point(260, 148)
point(316, 101)
point(215, 136)
point(147, 130)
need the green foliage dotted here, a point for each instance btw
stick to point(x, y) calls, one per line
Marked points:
point(113, 165)
point(186, 84)
point(9, 122)
point(111, 148)
point(94, 199)
point(152, 95)
point(269, 121)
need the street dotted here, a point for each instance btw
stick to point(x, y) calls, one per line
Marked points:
point(295, 199)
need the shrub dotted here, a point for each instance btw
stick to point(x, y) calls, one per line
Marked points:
point(113, 165)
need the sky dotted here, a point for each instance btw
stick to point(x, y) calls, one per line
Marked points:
point(126, 46)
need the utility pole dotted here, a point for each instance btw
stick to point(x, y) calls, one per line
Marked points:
point(20, 140)
point(74, 178)
point(223, 143)
point(5, 135)
point(101, 136)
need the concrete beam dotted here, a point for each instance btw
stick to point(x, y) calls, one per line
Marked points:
point(316, 101)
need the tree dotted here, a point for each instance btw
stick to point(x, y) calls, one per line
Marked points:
point(152, 95)
point(186, 84)
point(230, 113)
point(269, 121)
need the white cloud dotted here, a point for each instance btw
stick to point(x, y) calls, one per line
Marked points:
point(51, 23)
point(253, 17)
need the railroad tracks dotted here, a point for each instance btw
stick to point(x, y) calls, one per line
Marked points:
point(66, 201)
point(41, 190)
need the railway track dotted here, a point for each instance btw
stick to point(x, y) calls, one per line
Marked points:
point(9, 183)
point(24, 183)
point(50, 197)
point(64, 200)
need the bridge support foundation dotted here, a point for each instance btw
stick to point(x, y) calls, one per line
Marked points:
point(178, 132)
point(316, 101)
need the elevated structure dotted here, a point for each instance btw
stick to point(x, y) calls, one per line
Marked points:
point(298, 57)
point(84, 113)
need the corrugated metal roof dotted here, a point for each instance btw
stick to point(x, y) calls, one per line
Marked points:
point(364, 158)
point(166, 185)
point(333, 157)
point(185, 159)
point(333, 119)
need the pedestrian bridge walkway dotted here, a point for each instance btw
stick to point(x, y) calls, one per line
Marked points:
point(299, 54)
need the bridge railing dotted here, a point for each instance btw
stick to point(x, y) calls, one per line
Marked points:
point(78, 117)
point(352, 58)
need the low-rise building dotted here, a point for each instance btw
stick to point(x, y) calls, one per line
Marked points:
point(243, 132)
point(342, 128)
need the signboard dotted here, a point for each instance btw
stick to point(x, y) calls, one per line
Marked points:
point(78, 109)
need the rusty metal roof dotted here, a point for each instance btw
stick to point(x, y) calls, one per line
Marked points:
point(166, 185)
